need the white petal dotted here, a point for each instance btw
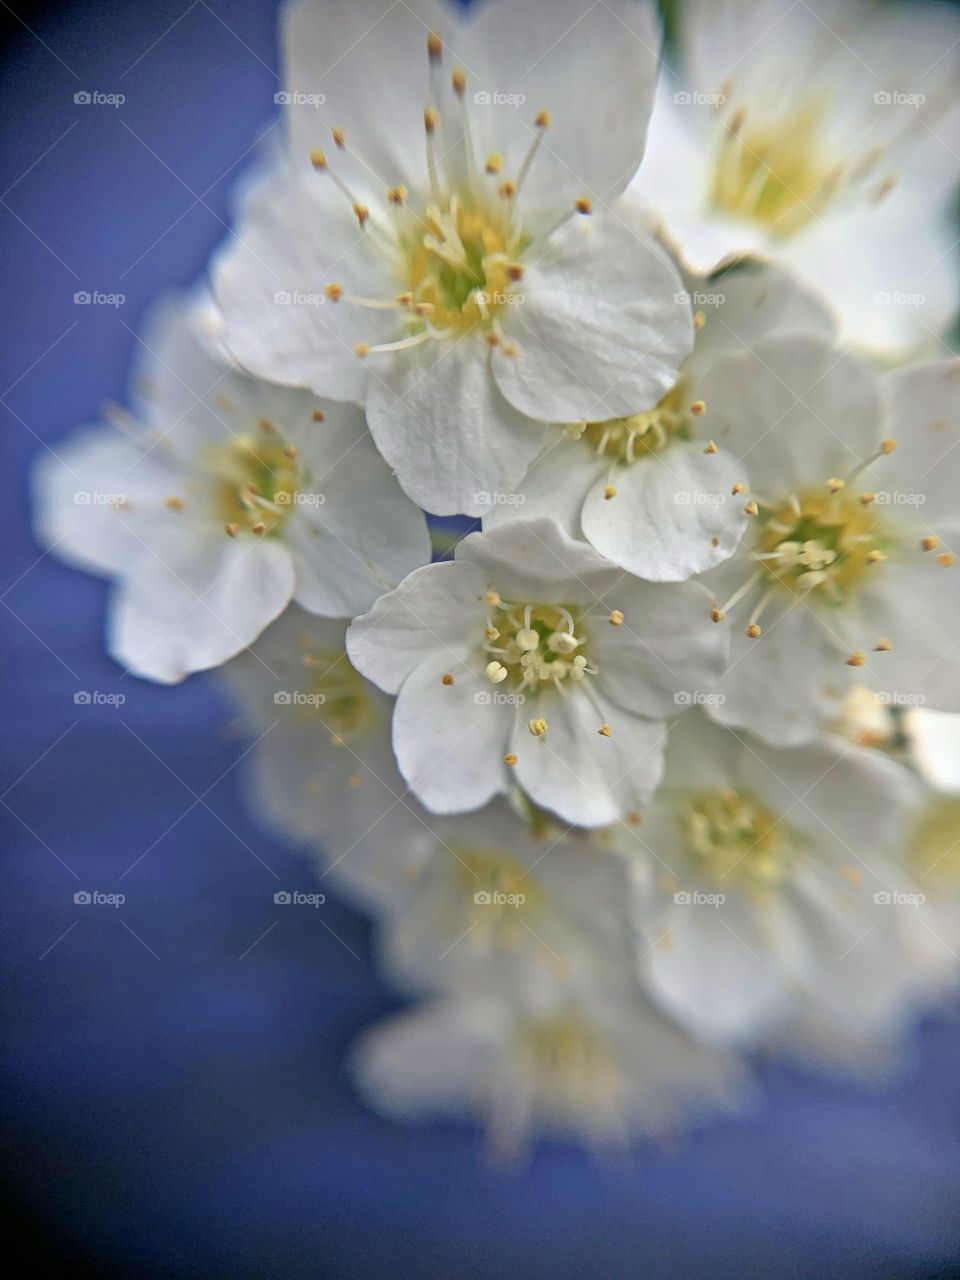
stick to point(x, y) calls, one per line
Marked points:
point(439, 609)
point(450, 740)
point(925, 422)
point(555, 486)
point(441, 422)
point(534, 561)
point(575, 771)
point(600, 333)
point(199, 606)
point(934, 738)
point(666, 514)
point(365, 535)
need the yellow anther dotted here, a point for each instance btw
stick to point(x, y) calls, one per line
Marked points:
point(616, 618)
point(888, 446)
point(290, 451)
point(698, 407)
point(492, 339)
point(753, 631)
point(751, 509)
point(494, 162)
point(361, 349)
point(717, 615)
point(510, 759)
point(431, 120)
point(231, 529)
point(835, 484)
point(605, 731)
point(882, 646)
point(266, 426)
point(609, 491)
point(493, 599)
point(542, 119)
point(259, 528)
point(507, 189)
point(538, 727)
point(318, 159)
point(857, 659)
point(699, 320)
point(738, 488)
point(867, 498)
point(446, 679)
point(929, 544)
point(635, 819)
point(334, 292)
point(397, 195)
point(362, 212)
point(584, 205)
point(946, 559)
point(174, 503)
point(318, 415)
point(876, 556)
point(459, 81)
point(515, 271)
point(339, 138)
point(434, 46)
point(711, 447)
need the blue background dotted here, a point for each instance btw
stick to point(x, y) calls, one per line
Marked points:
point(172, 1074)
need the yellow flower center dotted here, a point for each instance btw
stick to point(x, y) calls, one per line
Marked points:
point(934, 849)
point(531, 646)
point(569, 1064)
point(255, 481)
point(776, 173)
point(334, 693)
point(732, 836)
point(641, 434)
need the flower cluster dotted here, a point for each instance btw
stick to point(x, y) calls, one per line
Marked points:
point(660, 764)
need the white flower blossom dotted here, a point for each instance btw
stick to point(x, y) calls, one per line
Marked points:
point(827, 135)
point(603, 1070)
point(846, 571)
point(651, 492)
point(441, 242)
point(773, 886)
point(219, 502)
point(528, 661)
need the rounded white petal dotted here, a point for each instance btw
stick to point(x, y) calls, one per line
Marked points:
point(925, 423)
point(438, 610)
point(672, 516)
point(600, 333)
point(441, 422)
point(555, 485)
point(536, 562)
point(934, 738)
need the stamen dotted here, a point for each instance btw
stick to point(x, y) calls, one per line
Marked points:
point(541, 123)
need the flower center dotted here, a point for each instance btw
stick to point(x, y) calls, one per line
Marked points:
point(533, 645)
point(775, 173)
point(461, 264)
point(733, 835)
point(935, 846)
point(334, 693)
point(821, 540)
point(568, 1062)
point(255, 481)
point(641, 434)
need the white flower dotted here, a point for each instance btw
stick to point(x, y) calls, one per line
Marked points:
point(652, 491)
point(847, 568)
point(323, 770)
point(933, 739)
point(459, 270)
point(603, 1071)
point(774, 884)
point(223, 500)
point(828, 135)
point(529, 661)
point(504, 899)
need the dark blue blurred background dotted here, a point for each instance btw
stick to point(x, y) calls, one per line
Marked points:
point(172, 1071)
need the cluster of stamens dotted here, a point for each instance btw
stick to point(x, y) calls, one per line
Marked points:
point(569, 1064)
point(335, 694)
point(778, 172)
point(456, 251)
point(255, 481)
point(731, 835)
point(533, 645)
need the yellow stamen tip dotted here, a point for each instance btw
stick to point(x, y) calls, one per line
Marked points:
point(857, 659)
point(318, 159)
point(753, 631)
point(882, 646)
point(334, 292)
point(867, 498)
point(459, 81)
point(930, 544)
point(635, 819)
point(397, 195)
point(494, 162)
point(946, 559)
point(339, 138)
point(605, 731)
point(699, 320)
point(361, 349)
point(711, 447)
point(609, 491)
point(507, 190)
point(290, 451)
point(231, 529)
point(616, 618)
point(835, 484)
point(510, 759)
point(493, 598)
point(259, 528)
point(584, 205)
point(538, 727)
point(698, 407)
point(174, 503)
point(542, 119)
point(751, 509)
point(738, 488)
point(515, 271)
point(362, 212)
point(717, 615)
point(434, 46)
point(888, 446)
point(492, 339)
point(447, 679)
point(430, 120)
point(318, 415)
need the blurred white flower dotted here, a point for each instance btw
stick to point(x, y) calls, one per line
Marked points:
point(505, 900)
point(775, 881)
point(529, 661)
point(602, 1070)
point(846, 570)
point(826, 134)
point(223, 499)
point(933, 740)
point(459, 270)
point(651, 492)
